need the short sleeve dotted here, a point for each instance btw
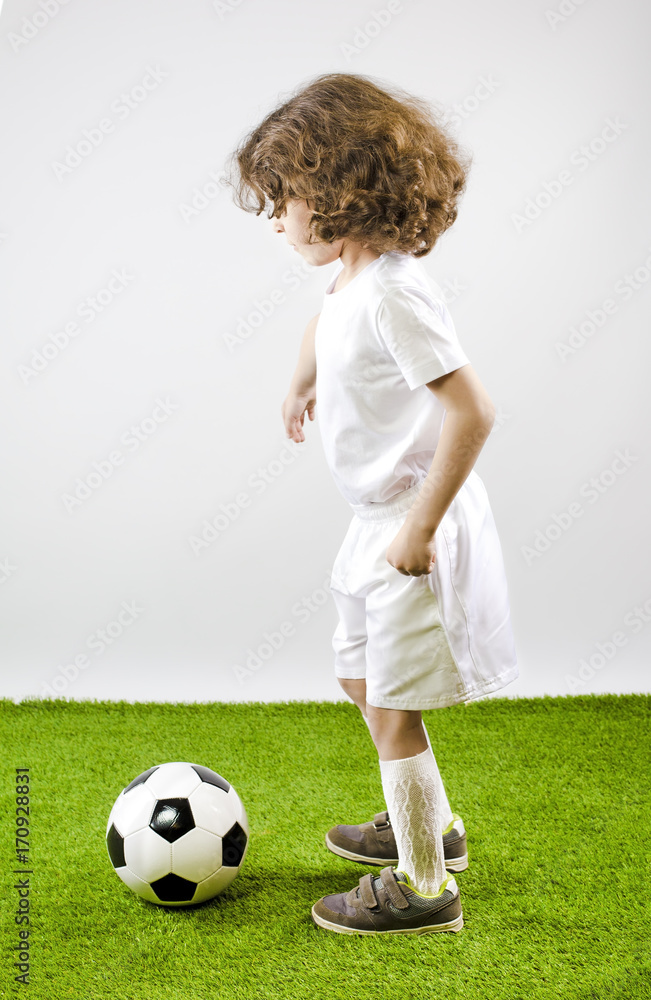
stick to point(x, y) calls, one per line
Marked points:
point(418, 331)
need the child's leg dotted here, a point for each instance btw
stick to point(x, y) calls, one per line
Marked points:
point(411, 786)
point(356, 691)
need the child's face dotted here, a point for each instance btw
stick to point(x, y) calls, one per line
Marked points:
point(293, 222)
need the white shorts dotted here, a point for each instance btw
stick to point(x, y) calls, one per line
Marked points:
point(432, 640)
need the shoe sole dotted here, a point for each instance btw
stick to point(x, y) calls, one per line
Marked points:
point(452, 864)
point(452, 925)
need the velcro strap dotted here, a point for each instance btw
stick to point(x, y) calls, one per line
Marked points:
point(367, 892)
point(393, 890)
point(381, 820)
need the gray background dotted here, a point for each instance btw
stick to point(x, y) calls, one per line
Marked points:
point(532, 85)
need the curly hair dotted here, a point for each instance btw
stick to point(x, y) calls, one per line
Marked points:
point(374, 164)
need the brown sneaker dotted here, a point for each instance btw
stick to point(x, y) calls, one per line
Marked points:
point(374, 843)
point(388, 904)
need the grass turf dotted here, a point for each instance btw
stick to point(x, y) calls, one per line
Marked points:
point(553, 793)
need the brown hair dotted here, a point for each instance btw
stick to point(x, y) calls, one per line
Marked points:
point(374, 163)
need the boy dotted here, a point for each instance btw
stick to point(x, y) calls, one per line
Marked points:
point(367, 178)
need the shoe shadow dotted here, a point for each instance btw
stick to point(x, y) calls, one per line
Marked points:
point(256, 897)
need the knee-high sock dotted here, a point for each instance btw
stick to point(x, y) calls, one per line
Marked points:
point(410, 788)
point(445, 810)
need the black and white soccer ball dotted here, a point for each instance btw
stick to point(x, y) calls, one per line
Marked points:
point(177, 834)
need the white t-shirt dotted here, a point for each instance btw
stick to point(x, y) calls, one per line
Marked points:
point(378, 340)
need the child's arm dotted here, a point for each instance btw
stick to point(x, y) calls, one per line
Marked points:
point(305, 375)
point(302, 390)
point(469, 418)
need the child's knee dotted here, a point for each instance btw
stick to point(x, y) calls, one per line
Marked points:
point(355, 688)
point(393, 720)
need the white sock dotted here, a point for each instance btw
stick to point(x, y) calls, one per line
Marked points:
point(410, 789)
point(444, 805)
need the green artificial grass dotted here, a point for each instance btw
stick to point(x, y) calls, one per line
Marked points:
point(553, 793)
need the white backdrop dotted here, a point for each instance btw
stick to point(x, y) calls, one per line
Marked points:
point(150, 330)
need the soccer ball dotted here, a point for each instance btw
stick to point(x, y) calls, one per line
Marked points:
point(177, 834)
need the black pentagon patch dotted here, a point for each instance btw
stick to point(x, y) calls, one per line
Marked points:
point(172, 818)
point(174, 889)
point(115, 845)
point(141, 778)
point(233, 845)
point(211, 777)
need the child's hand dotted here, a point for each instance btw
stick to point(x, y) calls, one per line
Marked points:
point(412, 551)
point(293, 412)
